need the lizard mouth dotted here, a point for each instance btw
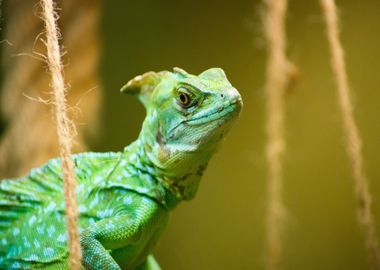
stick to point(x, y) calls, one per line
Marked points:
point(227, 110)
point(231, 108)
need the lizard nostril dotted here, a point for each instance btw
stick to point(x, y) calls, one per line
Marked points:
point(222, 95)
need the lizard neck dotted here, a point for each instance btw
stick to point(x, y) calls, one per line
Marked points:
point(143, 175)
point(177, 167)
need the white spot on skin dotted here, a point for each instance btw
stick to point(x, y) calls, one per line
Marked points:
point(94, 202)
point(128, 187)
point(16, 265)
point(4, 241)
point(123, 163)
point(97, 179)
point(80, 188)
point(40, 230)
point(16, 231)
point(105, 213)
point(151, 170)
point(51, 230)
point(32, 257)
point(36, 243)
point(132, 171)
point(154, 116)
point(58, 216)
point(48, 252)
point(32, 220)
point(126, 174)
point(133, 156)
point(110, 226)
point(26, 242)
point(61, 238)
point(128, 200)
point(145, 200)
point(142, 189)
point(50, 207)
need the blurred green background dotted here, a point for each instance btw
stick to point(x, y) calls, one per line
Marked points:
point(224, 226)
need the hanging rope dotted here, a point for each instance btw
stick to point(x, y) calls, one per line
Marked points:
point(63, 128)
point(278, 75)
point(25, 106)
point(353, 140)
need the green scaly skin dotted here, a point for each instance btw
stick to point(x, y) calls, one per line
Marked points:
point(124, 198)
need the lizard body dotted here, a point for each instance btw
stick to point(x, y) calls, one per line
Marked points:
point(124, 198)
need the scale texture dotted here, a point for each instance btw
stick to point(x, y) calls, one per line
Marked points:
point(124, 198)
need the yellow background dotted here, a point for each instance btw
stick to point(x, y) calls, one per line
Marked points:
point(224, 226)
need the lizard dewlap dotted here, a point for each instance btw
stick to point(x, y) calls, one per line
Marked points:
point(124, 198)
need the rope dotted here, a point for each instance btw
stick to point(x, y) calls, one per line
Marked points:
point(24, 104)
point(278, 75)
point(353, 140)
point(63, 128)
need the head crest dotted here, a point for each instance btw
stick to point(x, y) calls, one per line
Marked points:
point(143, 85)
point(180, 71)
point(213, 74)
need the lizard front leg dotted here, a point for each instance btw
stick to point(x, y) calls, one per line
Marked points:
point(106, 235)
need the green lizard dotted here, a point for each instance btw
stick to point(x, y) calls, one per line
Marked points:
point(124, 198)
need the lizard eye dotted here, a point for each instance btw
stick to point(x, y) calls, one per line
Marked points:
point(183, 98)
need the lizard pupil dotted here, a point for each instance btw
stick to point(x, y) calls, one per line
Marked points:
point(184, 99)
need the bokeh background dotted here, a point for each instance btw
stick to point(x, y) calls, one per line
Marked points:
point(224, 226)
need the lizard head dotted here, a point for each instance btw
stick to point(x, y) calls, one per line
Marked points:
point(187, 117)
